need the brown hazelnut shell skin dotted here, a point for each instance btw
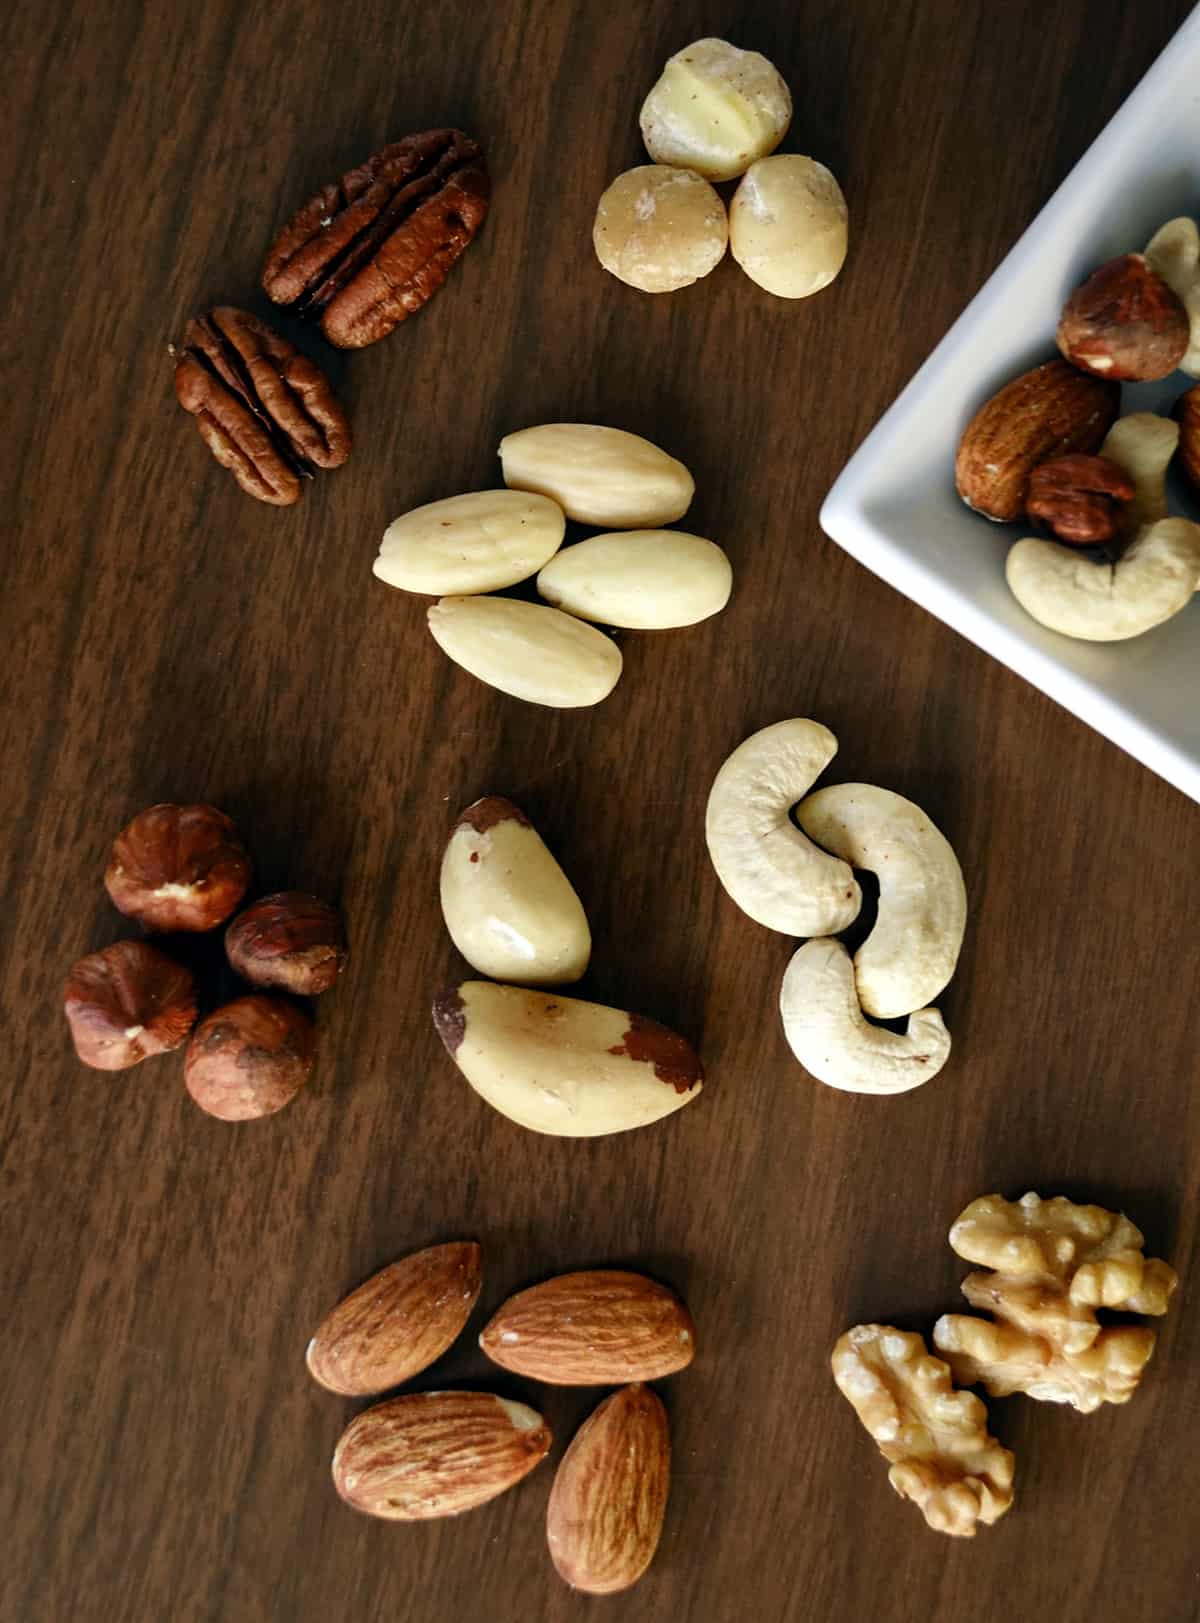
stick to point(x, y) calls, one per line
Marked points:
point(290, 940)
point(250, 1057)
point(178, 868)
point(1125, 322)
point(127, 1003)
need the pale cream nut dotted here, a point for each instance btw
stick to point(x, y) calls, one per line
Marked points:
point(1053, 1264)
point(527, 650)
point(643, 580)
point(787, 225)
point(1066, 591)
point(1174, 252)
point(943, 1457)
point(828, 1034)
point(1143, 444)
point(913, 948)
point(510, 909)
point(597, 475)
point(562, 1066)
point(660, 229)
point(774, 873)
point(480, 542)
point(715, 109)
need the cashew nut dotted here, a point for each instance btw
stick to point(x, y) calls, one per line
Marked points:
point(826, 1031)
point(1143, 444)
point(1174, 251)
point(912, 950)
point(771, 870)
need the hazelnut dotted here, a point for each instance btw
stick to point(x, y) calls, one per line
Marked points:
point(1188, 412)
point(1082, 500)
point(127, 1002)
point(659, 229)
point(178, 868)
point(289, 940)
point(249, 1058)
point(1125, 322)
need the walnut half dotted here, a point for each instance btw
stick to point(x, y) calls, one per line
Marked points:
point(1053, 1264)
point(943, 1457)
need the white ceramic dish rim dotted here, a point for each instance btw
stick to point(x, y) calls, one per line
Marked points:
point(846, 519)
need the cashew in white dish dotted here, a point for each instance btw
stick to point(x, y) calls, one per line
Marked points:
point(1174, 252)
point(772, 871)
point(828, 1034)
point(912, 950)
point(1143, 444)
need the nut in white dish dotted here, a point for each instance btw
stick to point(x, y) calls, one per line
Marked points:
point(510, 909)
point(1174, 252)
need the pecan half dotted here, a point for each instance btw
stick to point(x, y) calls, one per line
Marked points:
point(1083, 500)
point(265, 411)
point(373, 248)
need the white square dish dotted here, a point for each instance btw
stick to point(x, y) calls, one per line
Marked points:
point(895, 507)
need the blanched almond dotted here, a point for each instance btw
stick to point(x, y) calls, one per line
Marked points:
point(560, 1065)
point(525, 649)
point(610, 1494)
point(645, 580)
point(433, 1454)
point(480, 542)
point(507, 904)
point(399, 1322)
point(598, 475)
point(593, 1328)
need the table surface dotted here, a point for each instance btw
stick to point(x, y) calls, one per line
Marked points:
point(169, 639)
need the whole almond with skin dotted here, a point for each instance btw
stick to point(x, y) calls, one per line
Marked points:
point(610, 1494)
point(563, 1066)
point(399, 1322)
point(595, 1328)
point(1048, 412)
point(431, 1454)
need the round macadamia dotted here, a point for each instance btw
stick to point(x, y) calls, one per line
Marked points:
point(787, 225)
point(660, 229)
point(715, 110)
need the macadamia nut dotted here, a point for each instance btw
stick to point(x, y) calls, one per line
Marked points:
point(716, 109)
point(787, 225)
point(660, 229)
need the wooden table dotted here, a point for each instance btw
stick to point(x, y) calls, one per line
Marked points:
point(166, 1455)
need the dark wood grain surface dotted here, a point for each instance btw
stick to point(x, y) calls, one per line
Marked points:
point(165, 1456)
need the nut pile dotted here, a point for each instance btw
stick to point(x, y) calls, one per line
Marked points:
point(637, 576)
point(552, 1064)
point(1049, 447)
point(797, 877)
point(717, 113)
point(364, 254)
point(1052, 1264)
point(430, 1454)
point(184, 868)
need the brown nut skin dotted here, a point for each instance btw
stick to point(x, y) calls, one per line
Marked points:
point(127, 1003)
point(1047, 412)
point(290, 940)
point(178, 868)
point(1125, 322)
point(250, 1058)
point(1081, 500)
point(1188, 413)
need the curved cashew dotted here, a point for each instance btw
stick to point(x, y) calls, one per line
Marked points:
point(1143, 444)
point(1174, 251)
point(827, 1033)
point(774, 874)
point(911, 952)
point(1103, 603)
